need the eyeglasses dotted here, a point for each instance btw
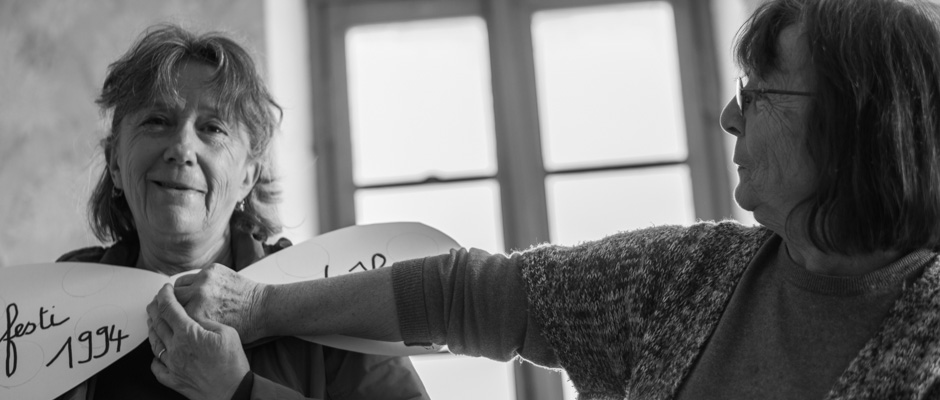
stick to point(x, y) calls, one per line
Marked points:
point(745, 97)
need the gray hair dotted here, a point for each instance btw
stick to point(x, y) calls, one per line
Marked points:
point(146, 74)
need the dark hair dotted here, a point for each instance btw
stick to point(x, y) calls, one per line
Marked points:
point(146, 74)
point(873, 129)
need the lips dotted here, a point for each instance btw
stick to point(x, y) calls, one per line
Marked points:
point(176, 185)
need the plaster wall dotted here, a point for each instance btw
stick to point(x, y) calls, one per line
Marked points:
point(53, 59)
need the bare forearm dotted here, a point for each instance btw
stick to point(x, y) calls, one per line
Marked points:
point(359, 305)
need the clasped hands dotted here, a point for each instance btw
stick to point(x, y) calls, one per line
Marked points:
point(196, 330)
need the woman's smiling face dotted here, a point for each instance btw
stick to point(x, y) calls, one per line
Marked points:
point(181, 165)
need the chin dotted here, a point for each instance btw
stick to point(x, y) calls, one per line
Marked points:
point(176, 224)
point(744, 199)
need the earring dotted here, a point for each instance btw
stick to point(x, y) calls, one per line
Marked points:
point(240, 206)
point(116, 192)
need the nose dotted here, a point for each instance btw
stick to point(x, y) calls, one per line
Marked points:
point(182, 149)
point(731, 119)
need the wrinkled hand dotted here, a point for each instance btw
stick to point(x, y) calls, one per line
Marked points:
point(200, 360)
point(221, 295)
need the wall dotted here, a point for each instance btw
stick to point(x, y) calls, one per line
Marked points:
point(54, 56)
point(288, 54)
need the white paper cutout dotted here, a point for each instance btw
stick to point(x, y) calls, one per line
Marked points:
point(52, 313)
point(62, 323)
point(354, 250)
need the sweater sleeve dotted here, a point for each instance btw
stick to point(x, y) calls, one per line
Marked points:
point(471, 301)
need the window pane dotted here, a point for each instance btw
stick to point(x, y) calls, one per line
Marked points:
point(608, 85)
point(451, 377)
point(420, 102)
point(468, 211)
point(569, 391)
point(593, 205)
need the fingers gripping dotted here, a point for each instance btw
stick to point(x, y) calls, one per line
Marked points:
point(186, 280)
point(184, 285)
point(162, 373)
point(167, 314)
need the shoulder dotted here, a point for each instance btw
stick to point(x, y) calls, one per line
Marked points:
point(701, 240)
point(277, 246)
point(701, 233)
point(87, 254)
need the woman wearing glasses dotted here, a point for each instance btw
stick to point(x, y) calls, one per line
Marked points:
point(835, 295)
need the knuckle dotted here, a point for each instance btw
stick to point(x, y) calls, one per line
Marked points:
point(164, 308)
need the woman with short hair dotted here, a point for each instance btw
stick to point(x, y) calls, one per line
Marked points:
point(188, 184)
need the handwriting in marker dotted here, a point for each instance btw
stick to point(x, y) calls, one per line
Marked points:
point(52, 323)
point(105, 332)
point(375, 257)
point(16, 329)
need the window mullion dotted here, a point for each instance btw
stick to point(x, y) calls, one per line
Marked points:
point(335, 189)
point(698, 69)
point(518, 146)
point(521, 174)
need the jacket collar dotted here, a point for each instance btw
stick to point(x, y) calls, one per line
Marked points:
point(245, 251)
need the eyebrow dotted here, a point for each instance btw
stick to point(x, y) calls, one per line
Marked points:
point(205, 107)
point(162, 104)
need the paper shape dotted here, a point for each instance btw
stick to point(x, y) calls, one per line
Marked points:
point(351, 250)
point(62, 323)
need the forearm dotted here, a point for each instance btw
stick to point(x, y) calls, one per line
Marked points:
point(471, 301)
point(474, 304)
point(359, 305)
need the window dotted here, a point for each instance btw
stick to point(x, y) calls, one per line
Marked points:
point(610, 106)
point(421, 111)
point(509, 123)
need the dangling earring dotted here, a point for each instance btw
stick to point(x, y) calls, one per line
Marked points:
point(240, 206)
point(116, 192)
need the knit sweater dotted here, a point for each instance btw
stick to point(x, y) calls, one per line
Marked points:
point(628, 316)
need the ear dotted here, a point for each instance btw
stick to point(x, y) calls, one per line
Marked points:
point(252, 175)
point(115, 170)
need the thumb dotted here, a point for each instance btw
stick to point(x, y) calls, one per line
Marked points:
point(171, 310)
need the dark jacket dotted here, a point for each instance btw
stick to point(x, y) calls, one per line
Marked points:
point(287, 367)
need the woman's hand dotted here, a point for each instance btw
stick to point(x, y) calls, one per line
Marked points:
point(200, 360)
point(221, 295)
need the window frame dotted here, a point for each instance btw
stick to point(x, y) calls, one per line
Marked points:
point(520, 170)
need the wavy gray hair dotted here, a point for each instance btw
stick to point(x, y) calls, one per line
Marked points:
point(145, 74)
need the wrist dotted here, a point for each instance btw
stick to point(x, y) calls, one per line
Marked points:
point(259, 323)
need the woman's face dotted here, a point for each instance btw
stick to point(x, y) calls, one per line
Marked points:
point(774, 166)
point(182, 166)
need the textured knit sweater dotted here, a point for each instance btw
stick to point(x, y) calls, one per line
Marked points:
point(628, 316)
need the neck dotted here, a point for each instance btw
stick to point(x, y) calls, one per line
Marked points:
point(171, 255)
point(805, 254)
point(832, 264)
